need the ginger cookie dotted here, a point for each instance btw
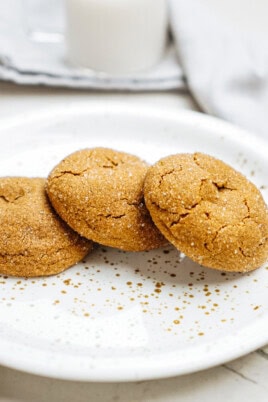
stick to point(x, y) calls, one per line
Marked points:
point(209, 211)
point(99, 193)
point(34, 241)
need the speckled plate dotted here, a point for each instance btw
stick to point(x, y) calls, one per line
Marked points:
point(129, 316)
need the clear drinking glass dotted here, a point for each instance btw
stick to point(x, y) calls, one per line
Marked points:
point(115, 37)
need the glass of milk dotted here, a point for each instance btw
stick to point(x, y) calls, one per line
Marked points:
point(116, 36)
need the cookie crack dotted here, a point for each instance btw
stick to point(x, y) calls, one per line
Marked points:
point(206, 247)
point(220, 186)
point(20, 254)
point(162, 209)
point(196, 161)
point(167, 228)
point(168, 173)
point(111, 216)
point(248, 209)
point(223, 187)
point(42, 255)
point(108, 214)
point(62, 173)
point(131, 203)
point(181, 217)
point(193, 206)
point(212, 241)
point(243, 253)
point(114, 164)
point(9, 200)
point(162, 176)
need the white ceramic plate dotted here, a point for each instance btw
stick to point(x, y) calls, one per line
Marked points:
point(129, 316)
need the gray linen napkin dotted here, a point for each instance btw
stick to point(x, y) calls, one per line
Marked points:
point(226, 69)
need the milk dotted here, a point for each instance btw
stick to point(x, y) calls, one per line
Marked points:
point(116, 36)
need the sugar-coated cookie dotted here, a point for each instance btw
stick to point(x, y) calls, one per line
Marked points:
point(34, 241)
point(209, 211)
point(99, 193)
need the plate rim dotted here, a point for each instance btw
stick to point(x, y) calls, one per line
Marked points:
point(191, 117)
point(149, 373)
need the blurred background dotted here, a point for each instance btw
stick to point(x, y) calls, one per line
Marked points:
point(43, 22)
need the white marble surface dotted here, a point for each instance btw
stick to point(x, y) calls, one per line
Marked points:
point(244, 379)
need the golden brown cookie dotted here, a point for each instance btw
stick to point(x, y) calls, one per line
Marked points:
point(99, 193)
point(34, 241)
point(209, 211)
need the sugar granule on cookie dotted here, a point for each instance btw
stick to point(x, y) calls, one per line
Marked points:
point(99, 193)
point(34, 241)
point(209, 211)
